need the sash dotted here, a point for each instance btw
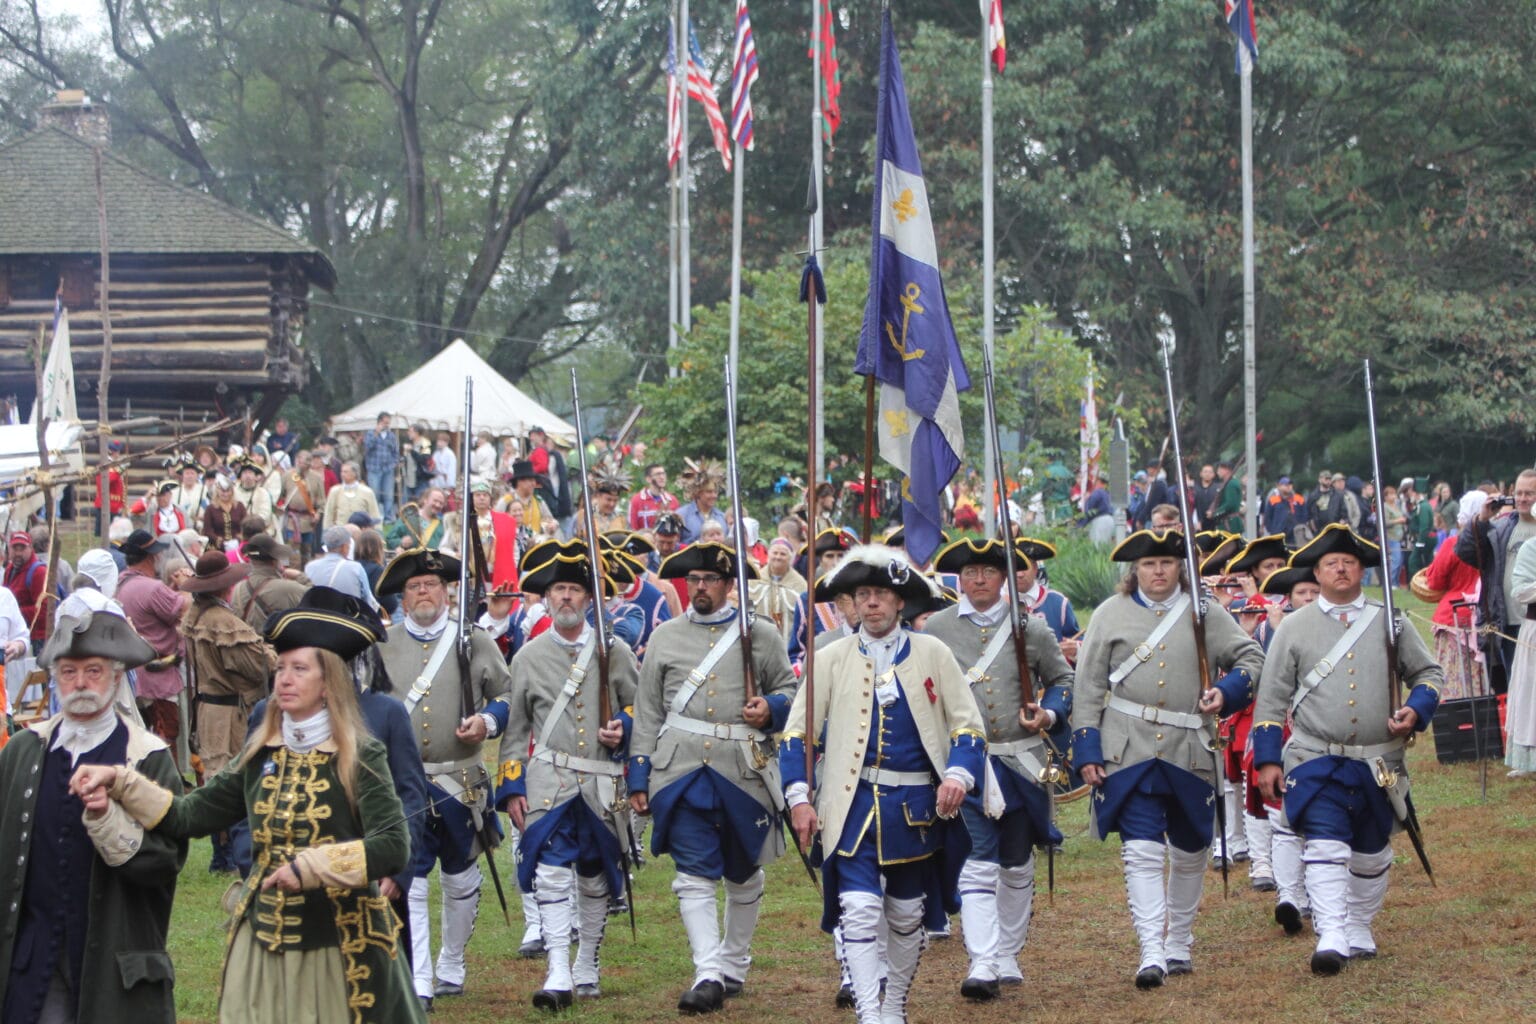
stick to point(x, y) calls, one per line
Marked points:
point(989, 655)
point(1143, 652)
point(698, 675)
point(423, 684)
point(571, 688)
point(1324, 668)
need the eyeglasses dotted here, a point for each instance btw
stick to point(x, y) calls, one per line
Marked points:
point(420, 586)
point(979, 572)
point(698, 579)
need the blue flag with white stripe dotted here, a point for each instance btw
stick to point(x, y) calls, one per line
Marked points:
point(908, 342)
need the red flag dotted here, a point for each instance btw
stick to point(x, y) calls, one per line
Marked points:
point(997, 44)
point(824, 52)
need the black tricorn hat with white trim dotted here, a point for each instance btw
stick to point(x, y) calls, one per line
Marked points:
point(875, 565)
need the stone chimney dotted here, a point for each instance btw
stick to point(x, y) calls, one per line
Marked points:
point(73, 111)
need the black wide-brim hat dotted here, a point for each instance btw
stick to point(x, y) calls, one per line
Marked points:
point(522, 469)
point(141, 544)
point(1149, 544)
point(875, 565)
point(1247, 560)
point(560, 562)
point(1207, 541)
point(214, 572)
point(629, 543)
point(968, 551)
point(1283, 581)
point(101, 634)
point(1215, 563)
point(704, 557)
point(1037, 550)
point(1336, 538)
point(832, 539)
point(328, 619)
point(416, 562)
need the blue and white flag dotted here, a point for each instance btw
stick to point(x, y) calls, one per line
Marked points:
point(908, 342)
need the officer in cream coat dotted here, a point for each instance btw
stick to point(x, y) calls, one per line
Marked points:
point(902, 743)
point(1142, 733)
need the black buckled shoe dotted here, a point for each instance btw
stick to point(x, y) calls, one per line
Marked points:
point(1180, 967)
point(705, 997)
point(844, 1000)
point(1327, 963)
point(1150, 977)
point(552, 999)
point(980, 989)
point(1288, 917)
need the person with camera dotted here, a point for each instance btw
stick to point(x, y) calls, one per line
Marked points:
point(1490, 543)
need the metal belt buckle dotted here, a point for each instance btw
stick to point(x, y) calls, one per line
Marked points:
point(1140, 656)
point(1148, 713)
point(722, 732)
point(1325, 667)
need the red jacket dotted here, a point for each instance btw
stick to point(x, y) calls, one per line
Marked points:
point(1459, 580)
point(27, 583)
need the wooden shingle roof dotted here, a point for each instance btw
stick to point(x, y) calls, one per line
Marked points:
point(48, 205)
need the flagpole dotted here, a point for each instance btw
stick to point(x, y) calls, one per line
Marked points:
point(672, 256)
point(685, 272)
point(988, 309)
point(1250, 371)
point(819, 338)
point(736, 261)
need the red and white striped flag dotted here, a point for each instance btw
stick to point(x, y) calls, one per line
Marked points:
point(997, 44)
point(674, 104)
point(701, 88)
point(1088, 438)
point(743, 74)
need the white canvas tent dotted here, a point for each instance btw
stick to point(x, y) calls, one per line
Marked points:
point(434, 395)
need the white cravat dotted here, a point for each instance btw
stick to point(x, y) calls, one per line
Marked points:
point(710, 618)
point(80, 737)
point(984, 618)
point(302, 737)
point(578, 643)
point(1345, 613)
point(428, 633)
point(882, 651)
point(1157, 606)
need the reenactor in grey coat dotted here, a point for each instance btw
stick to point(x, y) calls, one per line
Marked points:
point(701, 762)
point(997, 883)
point(456, 703)
point(1344, 787)
point(563, 796)
point(1143, 734)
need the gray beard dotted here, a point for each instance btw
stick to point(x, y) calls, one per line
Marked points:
point(568, 619)
point(425, 614)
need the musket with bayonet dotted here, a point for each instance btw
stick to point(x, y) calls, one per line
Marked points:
point(601, 638)
point(468, 607)
point(1018, 620)
point(744, 617)
point(1197, 613)
point(1386, 778)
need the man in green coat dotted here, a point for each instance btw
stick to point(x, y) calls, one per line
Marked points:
point(86, 901)
point(1228, 512)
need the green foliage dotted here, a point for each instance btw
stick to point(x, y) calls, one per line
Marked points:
point(1082, 571)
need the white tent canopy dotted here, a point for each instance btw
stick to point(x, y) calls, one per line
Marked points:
point(434, 395)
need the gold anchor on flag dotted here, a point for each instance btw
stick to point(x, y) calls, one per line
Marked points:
point(908, 307)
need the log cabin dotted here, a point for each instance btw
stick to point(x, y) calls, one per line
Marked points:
point(207, 303)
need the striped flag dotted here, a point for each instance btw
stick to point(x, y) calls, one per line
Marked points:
point(997, 43)
point(824, 52)
point(674, 103)
point(701, 88)
point(1240, 21)
point(743, 74)
point(908, 341)
point(1088, 437)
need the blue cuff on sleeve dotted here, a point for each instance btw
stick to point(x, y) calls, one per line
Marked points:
point(1236, 690)
point(1424, 700)
point(639, 776)
point(1268, 744)
point(510, 788)
point(1086, 748)
point(499, 710)
point(1058, 700)
point(792, 760)
point(778, 705)
point(968, 751)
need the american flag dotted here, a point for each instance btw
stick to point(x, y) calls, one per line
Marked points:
point(674, 104)
point(1088, 437)
point(701, 88)
point(743, 74)
point(1240, 21)
point(997, 44)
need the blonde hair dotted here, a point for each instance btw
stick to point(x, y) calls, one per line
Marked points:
point(347, 727)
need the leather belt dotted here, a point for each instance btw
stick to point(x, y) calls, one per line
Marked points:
point(218, 700)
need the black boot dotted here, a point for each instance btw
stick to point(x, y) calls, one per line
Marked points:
point(1327, 963)
point(705, 997)
point(1150, 977)
point(551, 999)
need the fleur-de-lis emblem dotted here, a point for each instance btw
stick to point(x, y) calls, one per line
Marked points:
point(904, 207)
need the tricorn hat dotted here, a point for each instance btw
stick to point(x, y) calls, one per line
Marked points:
point(708, 556)
point(832, 539)
point(1207, 541)
point(1336, 538)
point(1149, 544)
point(1037, 550)
point(898, 537)
point(106, 633)
point(558, 561)
point(968, 551)
point(328, 619)
point(632, 544)
point(1283, 581)
point(416, 562)
point(214, 572)
point(1215, 563)
point(875, 565)
point(1247, 560)
point(945, 598)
